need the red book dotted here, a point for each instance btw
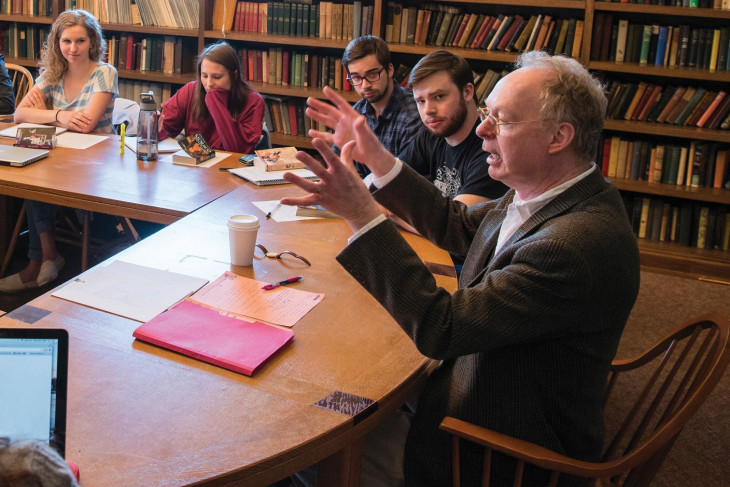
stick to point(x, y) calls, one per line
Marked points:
point(259, 67)
point(483, 31)
point(711, 109)
point(643, 100)
point(507, 37)
point(251, 66)
point(130, 52)
point(285, 67)
point(606, 156)
point(606, 40)
point(238, 16)
point(244, 63)
point(656, 93)
point(719, 115)
point(460, 32)
point(205, 334)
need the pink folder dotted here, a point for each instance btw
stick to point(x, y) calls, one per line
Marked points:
point(205, 334)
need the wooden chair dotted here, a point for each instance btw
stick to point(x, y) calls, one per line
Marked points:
point(22, 80)
point(675, 376)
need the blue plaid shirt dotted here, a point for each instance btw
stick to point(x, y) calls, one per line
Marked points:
point(396, 126)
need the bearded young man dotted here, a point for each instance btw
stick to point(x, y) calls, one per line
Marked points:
point(449, 153)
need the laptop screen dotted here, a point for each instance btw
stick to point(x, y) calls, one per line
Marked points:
point(33, 379)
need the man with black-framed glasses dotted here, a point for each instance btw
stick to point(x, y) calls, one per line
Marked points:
point(389, 109)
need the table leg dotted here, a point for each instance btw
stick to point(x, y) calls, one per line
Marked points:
point(343, 468)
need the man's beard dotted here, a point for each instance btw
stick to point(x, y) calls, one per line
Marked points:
point(453, 123)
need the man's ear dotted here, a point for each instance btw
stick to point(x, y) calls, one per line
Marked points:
point(391, 70)
point(468, 92)
point(562, 137)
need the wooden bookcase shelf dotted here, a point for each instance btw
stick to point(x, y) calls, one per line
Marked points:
point(28, 19)
point(656, 254)
point(155, 77)
point(666, 130)
point(635, 8)
point(141, 29)
point(709, 195)
point(298, 91)
point(645, 70)
point(293, 41)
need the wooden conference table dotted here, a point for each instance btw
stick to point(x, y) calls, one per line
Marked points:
point(101, 179)
point(142, 415)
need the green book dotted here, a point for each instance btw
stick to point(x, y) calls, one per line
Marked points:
point(698, 94)
point(314, 20)
point(286, 14)
point(645, 42)
point(270, 13)
point(299, 20)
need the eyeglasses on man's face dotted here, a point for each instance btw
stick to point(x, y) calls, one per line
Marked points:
point(370, 76)
point(494, 122)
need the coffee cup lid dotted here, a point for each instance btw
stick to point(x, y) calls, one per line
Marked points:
point(243, 221)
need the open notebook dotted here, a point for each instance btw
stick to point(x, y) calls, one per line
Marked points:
point(266, 178)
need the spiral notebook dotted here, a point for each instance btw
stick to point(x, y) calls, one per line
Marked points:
point(267, 178)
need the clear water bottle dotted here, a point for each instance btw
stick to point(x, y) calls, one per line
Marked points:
point(147, 127)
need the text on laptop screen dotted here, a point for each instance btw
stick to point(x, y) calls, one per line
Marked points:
point(28, 388)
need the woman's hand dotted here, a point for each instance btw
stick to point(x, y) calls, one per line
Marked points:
point(76, 121)
point(35, 99)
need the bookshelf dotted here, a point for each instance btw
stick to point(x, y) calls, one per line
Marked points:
point(665, 255)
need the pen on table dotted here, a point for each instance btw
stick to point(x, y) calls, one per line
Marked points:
point(121, 140)
point(285, 282)
point(268, 215)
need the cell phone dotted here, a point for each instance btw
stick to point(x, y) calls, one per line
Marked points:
point(246, 159)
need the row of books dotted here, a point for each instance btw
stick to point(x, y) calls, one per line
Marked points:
point(686, 106)
point(23, 40)
point(685, 223)
point(719, 4)
point(325, 20)
point(33, 8)
point(131, 90)
point(183, 14)
point(660, 45)
point(161, 54)
point(697, 165)
point(291, 68)
point(448, 26)
point(286, 116)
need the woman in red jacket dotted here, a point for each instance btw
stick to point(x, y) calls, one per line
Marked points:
point(219, 104)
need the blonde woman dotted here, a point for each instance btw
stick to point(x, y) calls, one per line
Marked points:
point(75, 90)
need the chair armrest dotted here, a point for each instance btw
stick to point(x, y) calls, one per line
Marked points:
point(529, 452)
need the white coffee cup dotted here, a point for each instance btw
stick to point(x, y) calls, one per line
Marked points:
point(242, 230)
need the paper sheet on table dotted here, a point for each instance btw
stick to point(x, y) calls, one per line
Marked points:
point(243, 297)
point(166, 146)
point(133, 291)
point(12, 131)
point(219, 156)
point(75, 140)
point(282, 214)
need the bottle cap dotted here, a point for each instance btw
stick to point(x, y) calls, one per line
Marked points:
point(147, 101)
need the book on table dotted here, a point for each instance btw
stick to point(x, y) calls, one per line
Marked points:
point(268, 178)
point(205, 334)
point(195, 150)
point(277, 159)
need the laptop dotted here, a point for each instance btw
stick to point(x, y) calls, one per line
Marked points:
point(19, 156)
point(33, 384)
